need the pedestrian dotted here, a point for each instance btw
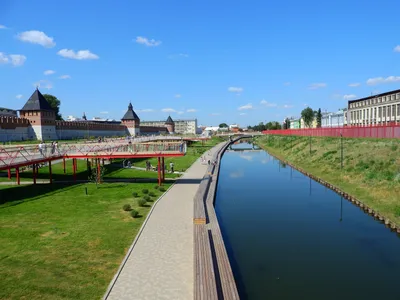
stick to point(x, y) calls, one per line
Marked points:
point(130, 146)
point(171, 166)
point(40, 146)
point(56, 148)
point(53, 148)
point(209, 162)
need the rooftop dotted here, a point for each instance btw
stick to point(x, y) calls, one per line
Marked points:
point(37, 102)
point(130, 114)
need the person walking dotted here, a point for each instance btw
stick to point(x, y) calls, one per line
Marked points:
point(171, 166)
point(56, 148)
point(53, 148)
point(40, 147)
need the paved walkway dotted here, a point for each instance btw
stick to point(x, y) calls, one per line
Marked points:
point(160, 265)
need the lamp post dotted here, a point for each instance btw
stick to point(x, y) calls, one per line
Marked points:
point(341, 151)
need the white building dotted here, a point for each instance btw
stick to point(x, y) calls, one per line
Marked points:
point(334, 119)
point(375, 110)
point(181, 126)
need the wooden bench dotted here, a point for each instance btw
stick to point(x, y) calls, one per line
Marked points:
point(205, 287)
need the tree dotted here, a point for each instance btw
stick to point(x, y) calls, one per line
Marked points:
point(286, 124)
point(319, 118)
point(223, 125)
point(94, 174)
point(308, 116)
point(55, 105)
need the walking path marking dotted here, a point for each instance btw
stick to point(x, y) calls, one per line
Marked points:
point(159, 264)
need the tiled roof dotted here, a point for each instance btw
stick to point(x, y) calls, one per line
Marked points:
point(130, 114)
point(37, 102)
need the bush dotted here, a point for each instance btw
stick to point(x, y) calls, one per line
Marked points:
point(152, 194)
point(161, 189)
point(146, 198)
point(135, 194)
point(145, 191)
point(156, 187)
point(126, 207)
point(141, 202)
point(134, 213)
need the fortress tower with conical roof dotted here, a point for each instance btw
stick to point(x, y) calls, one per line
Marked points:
point(41, 116)
point(131, 121)
point(170, 124)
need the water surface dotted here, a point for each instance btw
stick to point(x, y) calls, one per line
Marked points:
point(289, 237)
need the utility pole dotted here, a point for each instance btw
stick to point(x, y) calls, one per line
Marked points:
point(341, 151)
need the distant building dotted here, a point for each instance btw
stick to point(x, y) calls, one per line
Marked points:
point(8, 112)
point(295, 123)
point(181, 126)
point(334, 119)
point(375, 110)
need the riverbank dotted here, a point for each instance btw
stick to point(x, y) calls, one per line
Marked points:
point(371, 167)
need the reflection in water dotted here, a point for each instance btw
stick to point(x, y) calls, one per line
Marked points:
point(287, 237)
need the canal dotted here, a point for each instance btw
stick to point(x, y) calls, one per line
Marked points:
point(289, 237)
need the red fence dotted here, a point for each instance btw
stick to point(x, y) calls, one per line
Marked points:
point(376, 131)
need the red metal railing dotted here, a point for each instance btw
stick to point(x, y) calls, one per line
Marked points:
point(12, 156)
point(374, 131)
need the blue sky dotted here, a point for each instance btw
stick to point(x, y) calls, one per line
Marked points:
point(239, 62)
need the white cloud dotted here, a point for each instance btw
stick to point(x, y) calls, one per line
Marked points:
point(237, 174)
point(44, 84)
point(79, 55)
point(18, 96)
point(3, 27)
point(49, 72)
point(245, 107)
point(356, 84)
point(14, 59)
point(168, 110)
point(397, 48)
point(287, 83)
point(380, 80)
point(36, 37)
point(180, 112)
point(178, 96)
point(190, 110)
point(104, 112)
point(350, 96)
point(17, 59)
point(65, 77)
point(235, 89)
point(242, 114)
point(268, 104)
point(215, 114)
point(247, 157)
point(178, 55)
point(147, 42)
point(287, 106)
point(146, 110)
point(315, 86)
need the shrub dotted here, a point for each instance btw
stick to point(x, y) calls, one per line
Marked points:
point(134, 213)
point(141, 202)
point(156, 187)
point(152, 194)
point(126, 207)
point(146, 198)
point(161, 189)
point(135, 194)
point(145, 191)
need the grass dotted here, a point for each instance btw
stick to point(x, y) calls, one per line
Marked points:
point(371, 167)
point(58, 243)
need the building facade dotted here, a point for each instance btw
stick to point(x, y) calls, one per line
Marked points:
point(334, 119)
point(295, 123)
point(379, 109)
point(181, 126)
point(37, 121)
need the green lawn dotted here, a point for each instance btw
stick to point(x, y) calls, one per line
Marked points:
point(371, 167)
point(58, 243)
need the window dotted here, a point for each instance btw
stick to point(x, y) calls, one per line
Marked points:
point(375, 113)
point(398, 109)
point(388, 111)
point(384, 111)
point(393, 96)
point(380, 111)
point(398, 96)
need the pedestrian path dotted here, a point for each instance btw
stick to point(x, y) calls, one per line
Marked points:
point(159, 265)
